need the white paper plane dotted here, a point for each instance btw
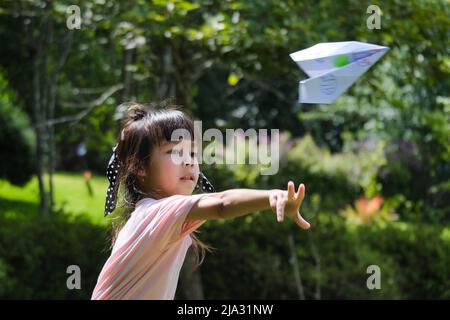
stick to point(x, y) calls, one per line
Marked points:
point(333, 67)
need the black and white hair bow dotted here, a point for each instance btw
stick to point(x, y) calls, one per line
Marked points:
point(204, 185)
point(111, 172)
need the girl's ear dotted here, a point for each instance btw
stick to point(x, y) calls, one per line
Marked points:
point(141, 173)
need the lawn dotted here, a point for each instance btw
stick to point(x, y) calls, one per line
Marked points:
point(71, 193)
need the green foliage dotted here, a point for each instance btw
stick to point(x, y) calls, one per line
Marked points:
point(17, 140)
point(252, 259)
point(35, 252)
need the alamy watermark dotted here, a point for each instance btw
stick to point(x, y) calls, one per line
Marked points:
point(374, 280)
point(74, 19)
point(374, 20)
point(262, 149)
point(74, 280)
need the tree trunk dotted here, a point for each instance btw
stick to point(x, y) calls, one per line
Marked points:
point(182, 73)
point(43, 206)
point(190, 279)
point(51, 145)
point(316, 256)
point(295, 267)
point(49, 106)
point(128, 60)
point(164, 87)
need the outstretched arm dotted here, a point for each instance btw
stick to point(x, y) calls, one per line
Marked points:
point(238, 202)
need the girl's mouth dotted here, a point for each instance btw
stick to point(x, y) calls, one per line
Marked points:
point(187, 178)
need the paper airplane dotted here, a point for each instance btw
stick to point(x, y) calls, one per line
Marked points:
point(333, 67)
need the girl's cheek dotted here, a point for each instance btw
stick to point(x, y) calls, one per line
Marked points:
point(170, 158)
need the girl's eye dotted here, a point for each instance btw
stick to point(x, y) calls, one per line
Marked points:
point(179, 152)
point(173, 151)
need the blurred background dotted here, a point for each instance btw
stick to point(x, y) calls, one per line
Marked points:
point(376, 163)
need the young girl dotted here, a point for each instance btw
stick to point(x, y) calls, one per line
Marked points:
point(160, 214)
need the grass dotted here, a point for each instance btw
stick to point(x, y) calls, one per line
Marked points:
point(70, 193)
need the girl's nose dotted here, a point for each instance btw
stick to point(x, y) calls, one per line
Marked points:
point(188, 161)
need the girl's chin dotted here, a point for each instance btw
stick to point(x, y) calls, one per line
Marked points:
point(187, 183)
point(186, 188)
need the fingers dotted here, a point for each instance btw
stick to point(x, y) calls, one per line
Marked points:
point(302, 223)
point(273, 204)
point(281, 203)
point(291, 190)
point(280, 200)
point(300, 192)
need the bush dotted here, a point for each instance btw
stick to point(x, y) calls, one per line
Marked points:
point(252, 260)
point(35, 252)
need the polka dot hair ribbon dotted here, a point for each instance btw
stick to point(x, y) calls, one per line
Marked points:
point(111, 173)
point(204, 185)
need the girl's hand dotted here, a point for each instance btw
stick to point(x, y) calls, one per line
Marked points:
point(288, 202)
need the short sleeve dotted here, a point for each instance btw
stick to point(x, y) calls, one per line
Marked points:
point(166, 219)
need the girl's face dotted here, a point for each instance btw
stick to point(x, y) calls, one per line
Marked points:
point(173, 169)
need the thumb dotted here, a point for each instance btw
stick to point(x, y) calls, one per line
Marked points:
point(302, 223)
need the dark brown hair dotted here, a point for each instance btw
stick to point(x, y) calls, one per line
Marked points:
point(144, 127)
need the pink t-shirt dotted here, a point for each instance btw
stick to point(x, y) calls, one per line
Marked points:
point(149, 252)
